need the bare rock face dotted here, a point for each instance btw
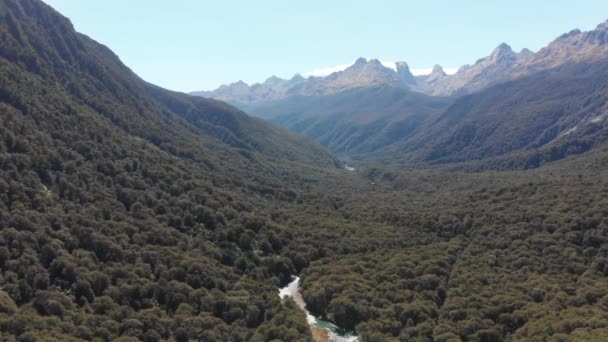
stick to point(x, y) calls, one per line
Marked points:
point(472, 78)
point(428, 83)
point(502, 65)
point(363, 73)
point(240, 93)
point(573, 47)
point(404, 73)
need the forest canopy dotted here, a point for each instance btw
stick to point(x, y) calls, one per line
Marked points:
point(129, 212)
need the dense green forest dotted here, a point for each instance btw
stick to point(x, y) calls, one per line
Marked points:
point(129, 212)
point(516, 255)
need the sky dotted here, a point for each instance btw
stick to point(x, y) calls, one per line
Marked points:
point(189, 45)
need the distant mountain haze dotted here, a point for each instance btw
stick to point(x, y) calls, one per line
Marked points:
point(372, 72)
point(372, 111)
point(502, 64)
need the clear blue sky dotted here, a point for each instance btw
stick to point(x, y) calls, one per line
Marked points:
point(192, 45)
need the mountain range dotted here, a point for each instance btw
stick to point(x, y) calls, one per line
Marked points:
point(371, 72)
point(370, 111)
point(501, 65)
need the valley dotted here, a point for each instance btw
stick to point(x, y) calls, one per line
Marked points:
point(369, 205)
point(507, 110)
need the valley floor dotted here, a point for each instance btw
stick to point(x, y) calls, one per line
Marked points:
point(442, 255)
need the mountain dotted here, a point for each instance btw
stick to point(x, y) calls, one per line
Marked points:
point(131, 212)
point(358, 110)
point(90, 71)
point(501, 65)
point(355, 121)
point(241, 94)
point(367, 106)
point(572, 47)
point(372, 73)
point(472, 78)
point(547, 106)
point(504, 64)
point(523, 123)
point(426, 83)
point(363, 73)
point(505, 103)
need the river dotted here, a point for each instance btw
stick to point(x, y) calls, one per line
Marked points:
point(322, 331)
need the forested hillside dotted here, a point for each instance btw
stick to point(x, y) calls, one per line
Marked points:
point(506, 111)
point(493, 256)
point(357, 121)
point(129, 212)
point(543, 117)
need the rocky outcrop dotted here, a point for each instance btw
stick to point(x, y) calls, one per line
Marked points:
point(573, 47)
point(471, 78)
point(363, 73)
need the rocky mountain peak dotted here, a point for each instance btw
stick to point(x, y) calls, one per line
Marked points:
point(438, 71)
point(364, 72)
point(503, 48)
point(403, 68)
point(525, 53)
point(569, 34)
point(599, 35)
point(366, 66)
point(273, 80)
point(374, 61)
point(236, 85)
point(404, 73)
point(502, 51)
point(402, 65)
point(360, 61)
point(502, 64)
point(602, 27)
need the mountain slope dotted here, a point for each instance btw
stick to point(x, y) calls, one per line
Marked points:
point(504, 65)
point(368, 106)
point(542, 107)
point(543, 117)
point(572, 47)
point(359, 110)
point(355, 121)
point(129, 211)
point(468, 79)
point(363, 73)
point(91, 72)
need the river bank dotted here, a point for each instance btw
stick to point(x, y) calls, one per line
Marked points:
point(322, 331)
